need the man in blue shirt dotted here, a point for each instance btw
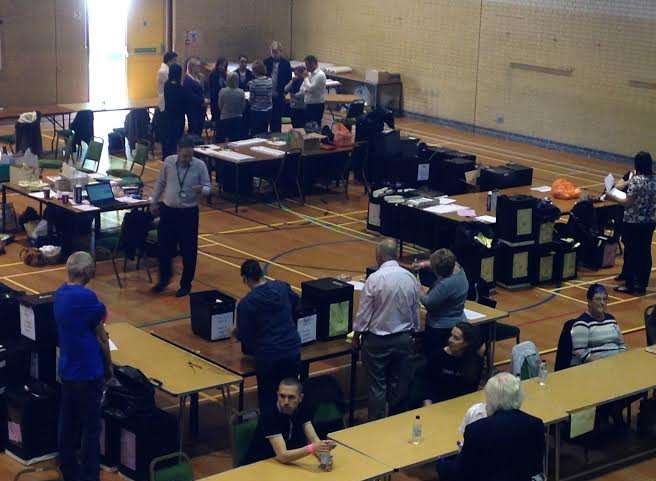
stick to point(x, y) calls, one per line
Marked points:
point(266, 329)
point(84, 363)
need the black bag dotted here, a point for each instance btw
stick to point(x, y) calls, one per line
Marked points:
point(647, 418)
point(134, 394)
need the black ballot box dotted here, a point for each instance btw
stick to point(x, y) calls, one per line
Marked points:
point(37, 318)
point(513, 264)
point(600, 253)
point(212, 314)
point(505, 176)
point(32, 419)
point(333, 301)
point(515, 218)
point(449, 177)
point(9, 312)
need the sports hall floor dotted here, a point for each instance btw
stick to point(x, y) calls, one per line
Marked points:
point(327, 236)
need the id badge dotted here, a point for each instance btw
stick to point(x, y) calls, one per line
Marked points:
point(183, 195)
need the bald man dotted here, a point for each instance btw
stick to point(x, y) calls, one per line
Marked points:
point(387, 316)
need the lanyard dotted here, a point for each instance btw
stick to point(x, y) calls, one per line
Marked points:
point(184, 177)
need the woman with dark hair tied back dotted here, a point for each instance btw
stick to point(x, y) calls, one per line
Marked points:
point(456, 369)
point(217, 81)
point(638, 228)
point(174, 113)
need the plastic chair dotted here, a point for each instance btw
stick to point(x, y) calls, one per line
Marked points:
point(90, 155)
point(65, 134)
point(271, 171)
point(181, 471)
point(650, 324)
point(242, 431)
point(10, 140)
point(66, 155)
point(137, 162)
point(141, 246)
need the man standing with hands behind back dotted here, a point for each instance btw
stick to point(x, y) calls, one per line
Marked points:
point(280, 71)
point(181, 180)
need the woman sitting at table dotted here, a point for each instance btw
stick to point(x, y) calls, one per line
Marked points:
point(445, 301)
point(595, 334)
point(455, 370)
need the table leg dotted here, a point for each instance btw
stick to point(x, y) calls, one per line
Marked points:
point(181, 410)
point(557, 452)
point(492, 347)
point(545, 462)
point(353, 385)
point(236, 188)
point(240, 401)
point(193, 416)
point(4, 207)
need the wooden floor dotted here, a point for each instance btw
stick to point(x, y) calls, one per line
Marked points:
point(328, 236)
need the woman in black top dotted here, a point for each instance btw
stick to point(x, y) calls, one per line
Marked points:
point(195, 99)
point(217, 81)
point(456, 369)
point(174, 112)
point(245, 74)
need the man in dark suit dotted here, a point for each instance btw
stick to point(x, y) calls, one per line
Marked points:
point(507, 445)
point(280, 71)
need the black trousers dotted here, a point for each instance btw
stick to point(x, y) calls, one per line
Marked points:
point(298, 118)
point(277, 112)
point(178, 228)
point(80, 413)
point(637, 253)
point(260, 121)
point(195, 119)
point(229, 130)
point(269, 374)
point(314, 113)
point(172, 132)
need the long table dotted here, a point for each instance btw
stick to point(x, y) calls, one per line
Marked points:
point(211, 154)
point(173, 370)
point(348, 465)
point(227, 353)
point(565, 392)
point(85, 210)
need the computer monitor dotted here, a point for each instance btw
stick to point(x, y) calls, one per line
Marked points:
point(99, 192)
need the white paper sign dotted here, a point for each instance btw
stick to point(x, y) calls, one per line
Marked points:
point(128, 449)
point(423, 172)
point(220, 325)
point(28, 327)
point(374, 214)
point(473, 315)
point(307, 328)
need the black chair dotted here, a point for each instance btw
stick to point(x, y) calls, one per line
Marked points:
point(136, 240)
point(270, 171)
point(503, 331)
point(564, 350)
point(650, 324)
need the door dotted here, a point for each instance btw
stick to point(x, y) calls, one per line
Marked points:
point(145, 42)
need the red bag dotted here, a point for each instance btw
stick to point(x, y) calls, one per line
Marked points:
point(564, 189)
point(343, 137)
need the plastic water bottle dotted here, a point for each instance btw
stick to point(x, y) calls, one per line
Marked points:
point(416, 431)
point(542, 373)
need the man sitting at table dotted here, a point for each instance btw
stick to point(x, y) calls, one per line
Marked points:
point(506, 445)
point(286, 432)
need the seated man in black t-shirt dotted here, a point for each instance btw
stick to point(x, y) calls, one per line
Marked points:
point(286, 431)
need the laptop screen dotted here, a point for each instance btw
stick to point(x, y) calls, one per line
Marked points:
point(99, 192)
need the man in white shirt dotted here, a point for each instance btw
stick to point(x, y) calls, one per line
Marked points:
point(314, 89)
point(387, 316)
point(163, 75)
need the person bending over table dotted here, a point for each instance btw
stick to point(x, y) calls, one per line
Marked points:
point(266, 329)
point(445, 301)
point(638, 227)
point(85, 362)
point(456, 369)
point(506, 445)
point(314, 89)
point(285, 431)
point(261, 89)
point(182, 179)
point(387, 315)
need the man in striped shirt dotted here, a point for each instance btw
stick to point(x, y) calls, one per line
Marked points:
point(595, 334)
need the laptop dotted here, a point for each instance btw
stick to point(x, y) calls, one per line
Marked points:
point(101, 195)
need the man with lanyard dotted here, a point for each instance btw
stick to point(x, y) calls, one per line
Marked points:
point(280, 71)
point(181, 179)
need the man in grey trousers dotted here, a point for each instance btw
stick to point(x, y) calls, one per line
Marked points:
point(387, 316)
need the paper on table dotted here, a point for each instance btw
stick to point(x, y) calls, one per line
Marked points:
point(609, 182)
point(357, 285)
point(582, 421)
point(85, 207)
point(487, 219)
point(467, 213)
point(446, 201)
point(618, 194)
point(268, 151)
point(473, 315)
point(129, 200)
point(37, 195)
point(112, 346)
point(445, 209)
point(542, 188)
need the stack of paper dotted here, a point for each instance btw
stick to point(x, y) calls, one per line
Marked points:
point(275, 153)
point(229, 155)
point(445, 209)
point(246, 143)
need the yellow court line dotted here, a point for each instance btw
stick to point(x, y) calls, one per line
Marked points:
point(6, 279)
point(12, 264)
point(563, 296)
point(630, 299)
point(262, 259)
point(584, 283)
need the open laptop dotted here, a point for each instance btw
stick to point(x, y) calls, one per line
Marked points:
point(101, 195)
